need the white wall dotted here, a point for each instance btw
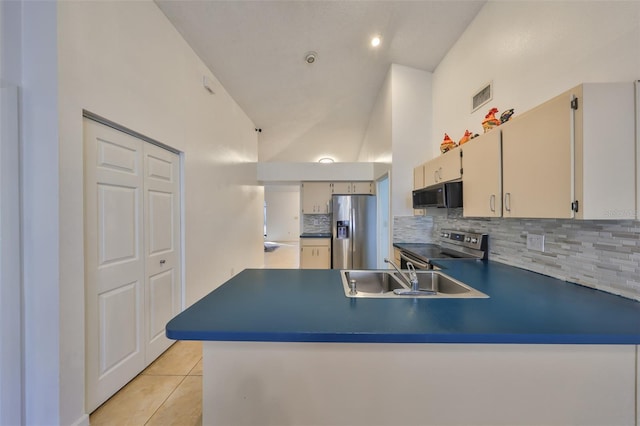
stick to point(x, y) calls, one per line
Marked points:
point(274, 172)
point(411, 129)
point(123, 61)
point(40, 209)
point(533, 51)
point(376, 145)
point(11, 385)
point(399, 129)
point(283, 212)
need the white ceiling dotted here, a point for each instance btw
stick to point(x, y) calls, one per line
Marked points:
point(257, 48)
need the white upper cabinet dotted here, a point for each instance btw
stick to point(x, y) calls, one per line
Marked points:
point(573, 156)
point(316, 197)
point(482, 176)
point(444, 168)
point(348, 188)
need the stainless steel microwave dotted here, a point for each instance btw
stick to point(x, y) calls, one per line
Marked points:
point(447, 194)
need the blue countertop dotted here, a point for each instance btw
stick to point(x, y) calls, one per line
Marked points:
point(295, 305)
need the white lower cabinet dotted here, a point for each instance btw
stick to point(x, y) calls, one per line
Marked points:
point(418, 384)
point(315, 253)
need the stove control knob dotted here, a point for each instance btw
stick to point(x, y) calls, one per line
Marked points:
point(446, 235)
point(467, 240)
point(474, 240)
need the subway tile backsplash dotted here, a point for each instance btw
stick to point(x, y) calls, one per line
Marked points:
point(598, 254)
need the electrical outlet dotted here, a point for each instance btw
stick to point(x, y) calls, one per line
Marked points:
point(535, 242)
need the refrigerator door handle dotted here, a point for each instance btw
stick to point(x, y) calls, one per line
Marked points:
point(353, 236)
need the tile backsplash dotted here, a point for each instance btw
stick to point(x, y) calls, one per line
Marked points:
point(599, 254)
point(413, 229)
point(316, 223)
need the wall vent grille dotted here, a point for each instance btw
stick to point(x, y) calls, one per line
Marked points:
point(482, 96)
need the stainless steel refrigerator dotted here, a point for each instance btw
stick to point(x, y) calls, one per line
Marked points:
point(354, 232)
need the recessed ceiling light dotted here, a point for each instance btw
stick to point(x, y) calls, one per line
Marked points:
point(375, 41)
point(325, 160)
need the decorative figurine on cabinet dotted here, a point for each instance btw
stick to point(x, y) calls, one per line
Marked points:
point(506, 115)
point(490, 120)
point(465, 138)
point(447, 144)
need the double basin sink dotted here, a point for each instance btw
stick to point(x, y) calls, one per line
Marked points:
point(389, 284)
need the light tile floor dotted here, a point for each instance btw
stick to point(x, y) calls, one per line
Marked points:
point(169, 391)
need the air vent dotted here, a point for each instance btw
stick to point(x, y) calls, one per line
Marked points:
point(482, 96)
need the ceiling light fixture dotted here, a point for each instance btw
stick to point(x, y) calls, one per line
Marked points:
point(310, 57)
point(325, 160)
point(375, 41)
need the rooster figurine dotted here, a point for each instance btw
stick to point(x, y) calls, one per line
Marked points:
point(490, 120)
point(465, 138)
point(447, 144)
point(506, 115)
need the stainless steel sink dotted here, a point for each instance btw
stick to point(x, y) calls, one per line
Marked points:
point(382, 283)
point(371, 282)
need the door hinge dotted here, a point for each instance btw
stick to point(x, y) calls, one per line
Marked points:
point(460, 153)
point(574, 206)
point(461, 169)
point(574, 103)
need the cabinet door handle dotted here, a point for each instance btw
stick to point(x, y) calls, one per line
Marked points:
point(492, 202)
point(507, 201)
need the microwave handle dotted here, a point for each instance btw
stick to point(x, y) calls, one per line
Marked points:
point(415, 262)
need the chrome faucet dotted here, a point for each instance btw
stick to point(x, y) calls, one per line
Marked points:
point(412, 279)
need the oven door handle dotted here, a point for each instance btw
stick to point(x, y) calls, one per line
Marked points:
point(415, 262)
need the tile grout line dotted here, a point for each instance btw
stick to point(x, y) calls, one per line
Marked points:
point(166, 399)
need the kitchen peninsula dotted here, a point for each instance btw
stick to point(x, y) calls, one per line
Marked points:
point(287, 347)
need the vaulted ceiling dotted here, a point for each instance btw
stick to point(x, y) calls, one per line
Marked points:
point(307, 111)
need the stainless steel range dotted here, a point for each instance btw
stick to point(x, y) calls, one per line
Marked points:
point(453, 244)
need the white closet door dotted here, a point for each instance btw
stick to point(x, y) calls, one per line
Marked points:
point(114, 260)
point(132, 256)
point(162, 246)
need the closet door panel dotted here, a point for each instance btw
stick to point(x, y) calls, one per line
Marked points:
point(114, 266)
